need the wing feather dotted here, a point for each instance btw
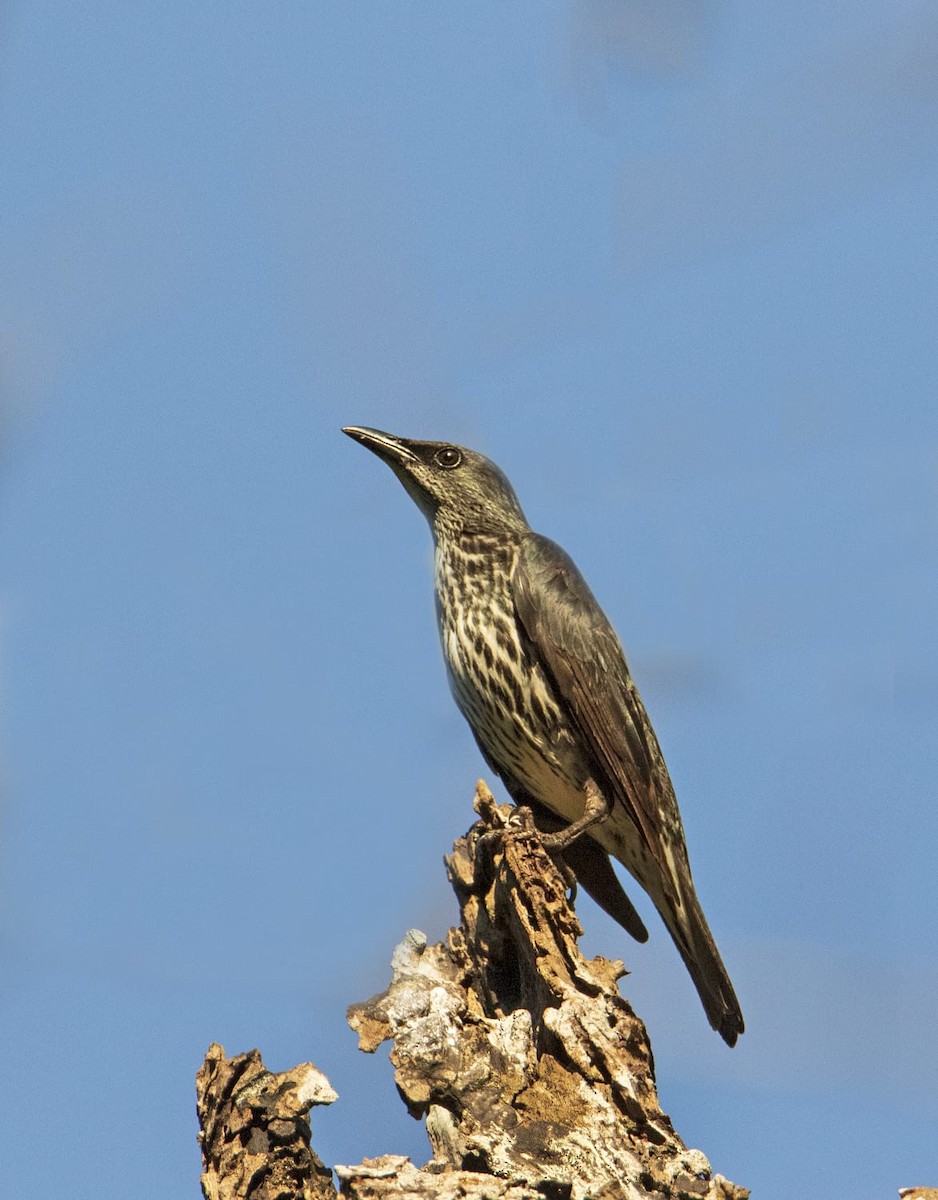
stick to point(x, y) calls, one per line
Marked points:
point(575, 641)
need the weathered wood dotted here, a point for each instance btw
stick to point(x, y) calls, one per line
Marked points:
point(255, 1134)
point(525, 1060)
point(533, 1074)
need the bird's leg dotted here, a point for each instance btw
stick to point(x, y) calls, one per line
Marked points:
point(595, 811)
point(524, 818)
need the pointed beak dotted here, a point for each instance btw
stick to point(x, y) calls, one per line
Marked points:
point(394, 451)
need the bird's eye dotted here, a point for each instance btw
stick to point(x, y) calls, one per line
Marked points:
point(448, 457)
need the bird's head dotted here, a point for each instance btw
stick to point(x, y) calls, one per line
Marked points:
point(455, 488)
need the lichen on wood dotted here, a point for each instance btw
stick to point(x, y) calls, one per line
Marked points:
point(255, 1135)
point(521, 1054)
point(534, 1076)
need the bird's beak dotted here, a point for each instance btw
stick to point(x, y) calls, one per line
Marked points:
point(394, 451)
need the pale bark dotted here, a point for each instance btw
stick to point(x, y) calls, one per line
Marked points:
point(534, 1076)
point(255, 1132)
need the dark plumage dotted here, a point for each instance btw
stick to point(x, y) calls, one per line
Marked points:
point(539, 674)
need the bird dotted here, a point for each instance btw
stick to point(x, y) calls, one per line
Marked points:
point(540, 675)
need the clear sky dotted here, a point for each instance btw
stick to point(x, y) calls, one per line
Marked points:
point(674, 266)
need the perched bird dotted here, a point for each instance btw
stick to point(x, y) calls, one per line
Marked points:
point(538, 672)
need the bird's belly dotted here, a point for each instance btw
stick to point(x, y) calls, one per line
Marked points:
point(520, 728)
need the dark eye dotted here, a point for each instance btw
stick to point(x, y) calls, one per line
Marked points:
point(448, 457)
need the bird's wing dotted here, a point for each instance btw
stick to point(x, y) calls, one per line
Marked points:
point(575, 641)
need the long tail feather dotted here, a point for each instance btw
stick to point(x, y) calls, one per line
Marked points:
point(693, 938)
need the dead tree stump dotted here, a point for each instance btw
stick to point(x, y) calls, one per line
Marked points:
point(533, 1074)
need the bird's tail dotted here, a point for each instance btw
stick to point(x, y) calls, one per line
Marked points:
point(691, 933)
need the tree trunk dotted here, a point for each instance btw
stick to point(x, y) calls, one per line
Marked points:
point(534, 1076)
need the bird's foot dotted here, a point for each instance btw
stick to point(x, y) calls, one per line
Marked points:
point(522, 819)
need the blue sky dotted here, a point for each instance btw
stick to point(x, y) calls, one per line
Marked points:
point(675, 268)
